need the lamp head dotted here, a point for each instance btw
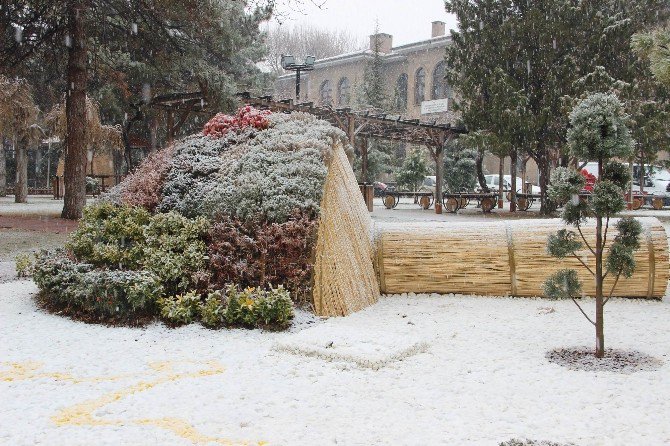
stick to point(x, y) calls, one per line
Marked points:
point(309, 61)
point(287, 61)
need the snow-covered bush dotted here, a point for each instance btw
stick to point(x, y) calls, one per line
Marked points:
point(129, 238)
point(176, 252)
point(92, 186)
point(297, 131)
point(221, 124)
point(212, 310)
point(255, 253)
point(270, 185)
point(111, 236)
point(78, 288)
point(258, 308)
point(143, 187)
point(24, 265)
point(194, 171)
point(181, 309)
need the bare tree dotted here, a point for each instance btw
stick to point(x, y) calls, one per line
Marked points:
point(18, 118)
point(306, 40)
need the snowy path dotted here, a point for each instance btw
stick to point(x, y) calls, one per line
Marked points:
point(411, 370)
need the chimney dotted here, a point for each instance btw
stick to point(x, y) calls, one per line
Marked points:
point(382, 41)
point(439, 29)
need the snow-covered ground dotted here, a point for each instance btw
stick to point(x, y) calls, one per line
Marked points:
point(37, 205)
point(411, 370)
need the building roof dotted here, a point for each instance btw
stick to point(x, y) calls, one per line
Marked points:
point(396, 53)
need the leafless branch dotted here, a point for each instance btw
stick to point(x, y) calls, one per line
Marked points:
point(583, 312)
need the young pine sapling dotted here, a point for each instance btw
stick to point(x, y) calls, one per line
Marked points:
point(598, 133)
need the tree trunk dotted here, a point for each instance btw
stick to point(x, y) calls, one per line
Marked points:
point(543, 168)
point(641, 177)
point(479, 164)
point(21, 186)
point(3, 168)
point(512, 169)
point(524, 174)
point(600, 334)
point(501, 174)
point(74, 175)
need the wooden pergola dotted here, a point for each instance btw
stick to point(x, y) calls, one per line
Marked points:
point(179, 105)
point(360, 126)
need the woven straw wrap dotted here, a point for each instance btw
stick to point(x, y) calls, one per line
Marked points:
point(505, 258)
point(344, 275)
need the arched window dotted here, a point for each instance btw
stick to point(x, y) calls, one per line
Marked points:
point(420, 86)
point(326, 93)
point(343, 92)
point(441, 89)
point(401, 92)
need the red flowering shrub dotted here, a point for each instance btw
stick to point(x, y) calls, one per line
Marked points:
point(247, 116)
point(256, 254)
point(144, 185)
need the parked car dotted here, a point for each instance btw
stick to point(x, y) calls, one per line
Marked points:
point(656, 181)
point(380, 189)
point(429, 184)
point(492, 182)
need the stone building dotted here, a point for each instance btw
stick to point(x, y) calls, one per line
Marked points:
point(415, 81)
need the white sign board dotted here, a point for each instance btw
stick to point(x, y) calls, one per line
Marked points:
point(436, 106)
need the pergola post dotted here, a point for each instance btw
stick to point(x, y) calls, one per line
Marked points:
point(364, 159)
point(439, 177)
point(512, 169)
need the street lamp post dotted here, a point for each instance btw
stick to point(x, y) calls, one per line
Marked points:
point(289, 63)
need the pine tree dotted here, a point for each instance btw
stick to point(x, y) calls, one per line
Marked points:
point(169, 45)
point(459, 167)
point(654, 46)
point(374, 96)
point(514, 61)
point(413, 171)
point(598, 132)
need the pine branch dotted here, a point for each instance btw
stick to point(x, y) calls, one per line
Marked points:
point(612, 290)
point(582, 262)
point(584, 238)
point(583, 312)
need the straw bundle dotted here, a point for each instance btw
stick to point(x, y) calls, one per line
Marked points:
point(504, 258)
point(344, 276)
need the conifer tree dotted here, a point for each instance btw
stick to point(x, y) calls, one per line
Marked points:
point(598, 132)
point(374, 96)
point(514, 61)
point(413, 171)
point(167, 43)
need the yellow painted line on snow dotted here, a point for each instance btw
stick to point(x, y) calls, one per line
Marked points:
point(82, 414)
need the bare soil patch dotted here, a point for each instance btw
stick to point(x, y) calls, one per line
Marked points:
point(617, 361)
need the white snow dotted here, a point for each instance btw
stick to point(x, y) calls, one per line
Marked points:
point(411, 370)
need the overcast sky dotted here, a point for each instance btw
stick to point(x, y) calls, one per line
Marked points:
point(407, 20)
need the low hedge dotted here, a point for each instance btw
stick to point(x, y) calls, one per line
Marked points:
point(250, 308)
point(78, 288)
